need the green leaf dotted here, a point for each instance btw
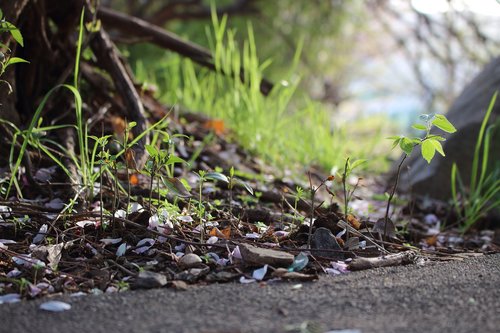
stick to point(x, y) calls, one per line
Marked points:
point(244, 185)
point(428, 150)
point(217, 176)
point(406, 144)
point(437, 146)
point(442, 123)
point(176, 186)
point(152, 150)
point(15, 60)
point(357, 163)
point(436, 137)
point(16, 34)
point(175, 159)
point(396, 140)
point(419, 127)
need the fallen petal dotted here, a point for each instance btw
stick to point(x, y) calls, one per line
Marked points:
point(13, 273)
point(56, 204)
point(10, 298)
point(236, 253)
point(40, 236)
point(108, 241)
point(300, 261)
point(55, 306)
point(121, 250)
point(259, 274)
point(252, 235)
point(245, 280)
point(85, 223)
point(212, 240)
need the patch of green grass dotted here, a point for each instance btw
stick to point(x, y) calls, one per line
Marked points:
point(286, 128)
point(483, 194)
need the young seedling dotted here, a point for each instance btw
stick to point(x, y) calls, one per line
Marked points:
point(430, 143)
point(203, 177)
point(158, 159)
point(130, 162)
point(313, 190)
point(299, 195)
point(232, 181)
point(347, 190)
point(102, 156)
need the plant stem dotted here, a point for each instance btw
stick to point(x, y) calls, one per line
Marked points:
point(386, 218)
point(346, 200)
point(313, 193)
point(153, 172)
point(128, 192)
point(200, 207)
point(100, 175)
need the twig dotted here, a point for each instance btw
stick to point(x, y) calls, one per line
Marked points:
point(108, 58)
point(396, 259)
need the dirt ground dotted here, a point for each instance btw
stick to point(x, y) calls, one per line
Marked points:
point(454, 296)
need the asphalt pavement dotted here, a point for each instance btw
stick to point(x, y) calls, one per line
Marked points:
point(454, 296)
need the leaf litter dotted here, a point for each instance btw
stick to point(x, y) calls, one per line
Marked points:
point(247, 228)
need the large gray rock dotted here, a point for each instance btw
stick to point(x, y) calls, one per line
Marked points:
point(466, 113)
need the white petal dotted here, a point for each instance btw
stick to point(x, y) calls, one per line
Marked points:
point(55, 306)
point(259, 274)
point(121, 250)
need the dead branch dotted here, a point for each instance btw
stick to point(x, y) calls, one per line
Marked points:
point(403, 258)
point(108, 59)
point(186, 10)
point(135, 27)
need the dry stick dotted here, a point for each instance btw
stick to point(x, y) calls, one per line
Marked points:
point(395, 259)
point(133, 26)
point(109, 59)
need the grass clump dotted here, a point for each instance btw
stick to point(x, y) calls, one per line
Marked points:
point(482, 195)
point(286, 128)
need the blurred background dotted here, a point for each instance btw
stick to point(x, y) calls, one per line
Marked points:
point(364, 70)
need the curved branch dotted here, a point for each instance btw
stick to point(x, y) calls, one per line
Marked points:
point(135, 27)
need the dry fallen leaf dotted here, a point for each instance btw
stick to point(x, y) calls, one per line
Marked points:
point(130, 159)
point(224, 233)
point(431, 241)
point(134, 180)
point(215, 125)
point(353, 221)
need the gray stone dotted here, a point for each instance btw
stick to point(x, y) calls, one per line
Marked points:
point(149, 280)
point(323, 239)
point(260, 256)
point(466, 113)
point(190, 260)
point(193, 274)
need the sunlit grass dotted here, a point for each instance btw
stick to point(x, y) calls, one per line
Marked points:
point(286, 128)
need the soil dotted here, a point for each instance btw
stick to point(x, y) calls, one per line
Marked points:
point(456, 296)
